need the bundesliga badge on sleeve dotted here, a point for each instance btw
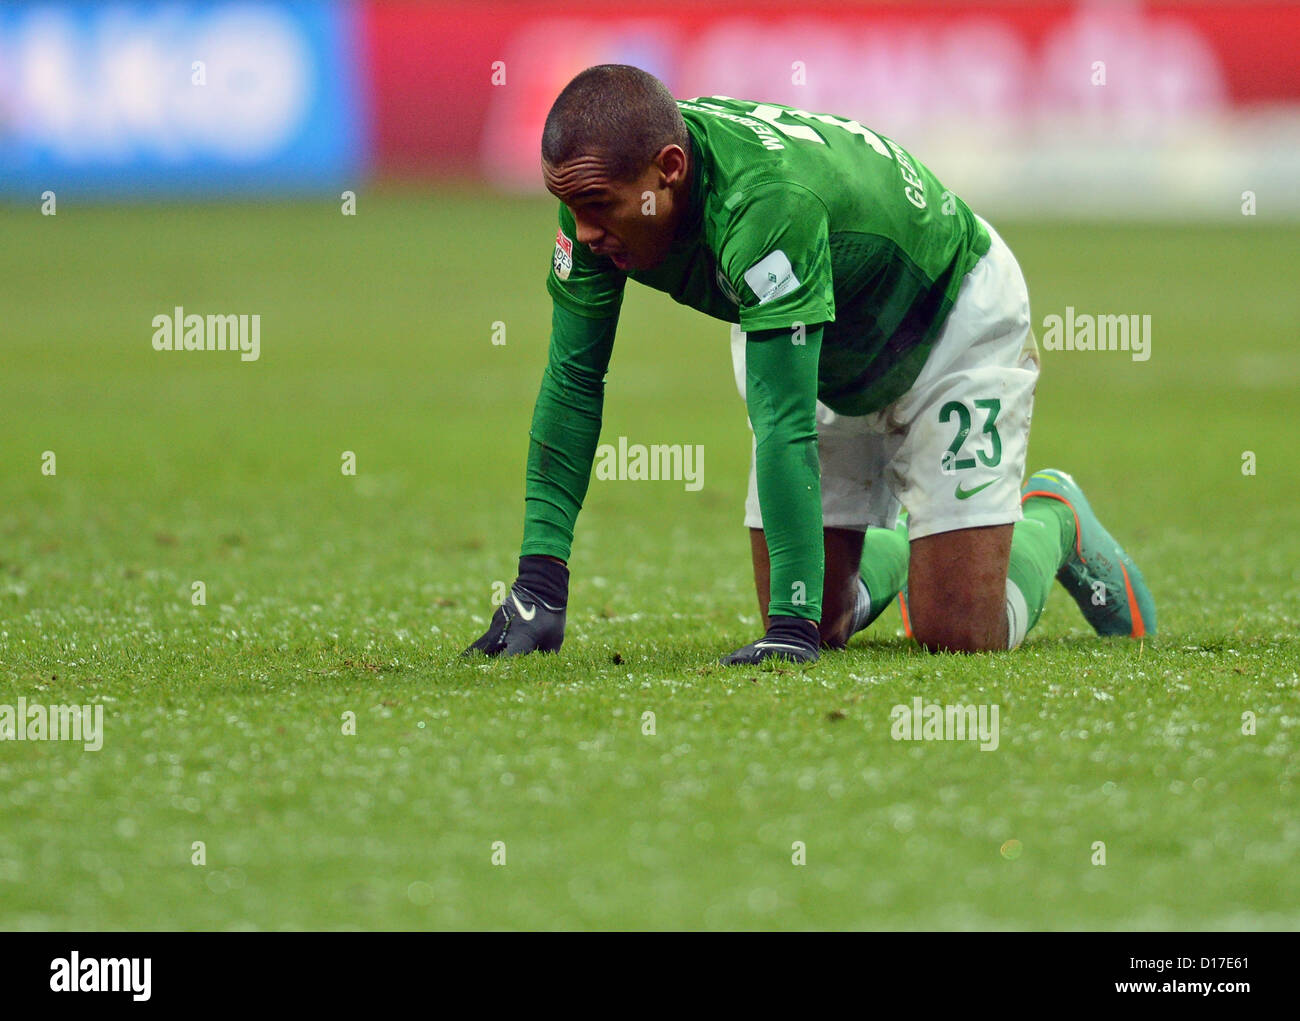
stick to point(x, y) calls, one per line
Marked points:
point(563, 254)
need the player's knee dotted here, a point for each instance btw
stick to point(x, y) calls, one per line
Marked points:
point(959, 634)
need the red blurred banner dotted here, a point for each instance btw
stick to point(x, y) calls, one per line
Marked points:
point(459, 90)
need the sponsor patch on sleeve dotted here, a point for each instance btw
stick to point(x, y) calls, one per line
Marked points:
point(563, 255)
point(771, 277)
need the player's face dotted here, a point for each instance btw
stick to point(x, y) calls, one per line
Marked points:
point(630, 221)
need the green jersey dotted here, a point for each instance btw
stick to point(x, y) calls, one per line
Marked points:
point(836, 251)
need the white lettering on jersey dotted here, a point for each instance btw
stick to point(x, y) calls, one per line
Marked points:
point(563, 255)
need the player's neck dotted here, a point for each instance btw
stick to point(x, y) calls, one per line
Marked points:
point(687, 206)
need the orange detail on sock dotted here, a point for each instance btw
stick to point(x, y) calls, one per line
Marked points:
point(907, 621)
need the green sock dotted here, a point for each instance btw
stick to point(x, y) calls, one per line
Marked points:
point(883, 571)
point(1040, 544)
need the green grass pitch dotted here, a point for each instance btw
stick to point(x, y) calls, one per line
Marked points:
point(329, 594)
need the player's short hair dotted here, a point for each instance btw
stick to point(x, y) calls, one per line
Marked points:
point(615, 111)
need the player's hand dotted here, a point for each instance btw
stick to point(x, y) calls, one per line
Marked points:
point(531, 619)
point(794, 638)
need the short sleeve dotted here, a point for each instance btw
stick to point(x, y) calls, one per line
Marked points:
point(580, 282)
point(775, 254)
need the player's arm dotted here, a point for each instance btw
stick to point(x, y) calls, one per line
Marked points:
point(565, 431)
point(562, 447)
point(779, 263)
point(781, 396)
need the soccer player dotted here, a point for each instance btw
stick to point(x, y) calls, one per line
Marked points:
point(886, 359)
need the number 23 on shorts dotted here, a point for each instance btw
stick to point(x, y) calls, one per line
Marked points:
point(990, 457)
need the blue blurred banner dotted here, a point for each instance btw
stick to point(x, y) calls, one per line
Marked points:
point(158, 98)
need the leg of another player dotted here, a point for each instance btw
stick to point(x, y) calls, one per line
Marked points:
point(957, 589)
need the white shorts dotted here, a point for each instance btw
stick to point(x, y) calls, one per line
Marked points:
point(952, 449)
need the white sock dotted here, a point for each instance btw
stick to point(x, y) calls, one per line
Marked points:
point(861, 607)
point(1017, 615)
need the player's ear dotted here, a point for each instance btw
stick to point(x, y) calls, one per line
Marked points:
point(671, 161)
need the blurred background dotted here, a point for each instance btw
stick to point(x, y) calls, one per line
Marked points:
point(364, 178)
point(1035, 106)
